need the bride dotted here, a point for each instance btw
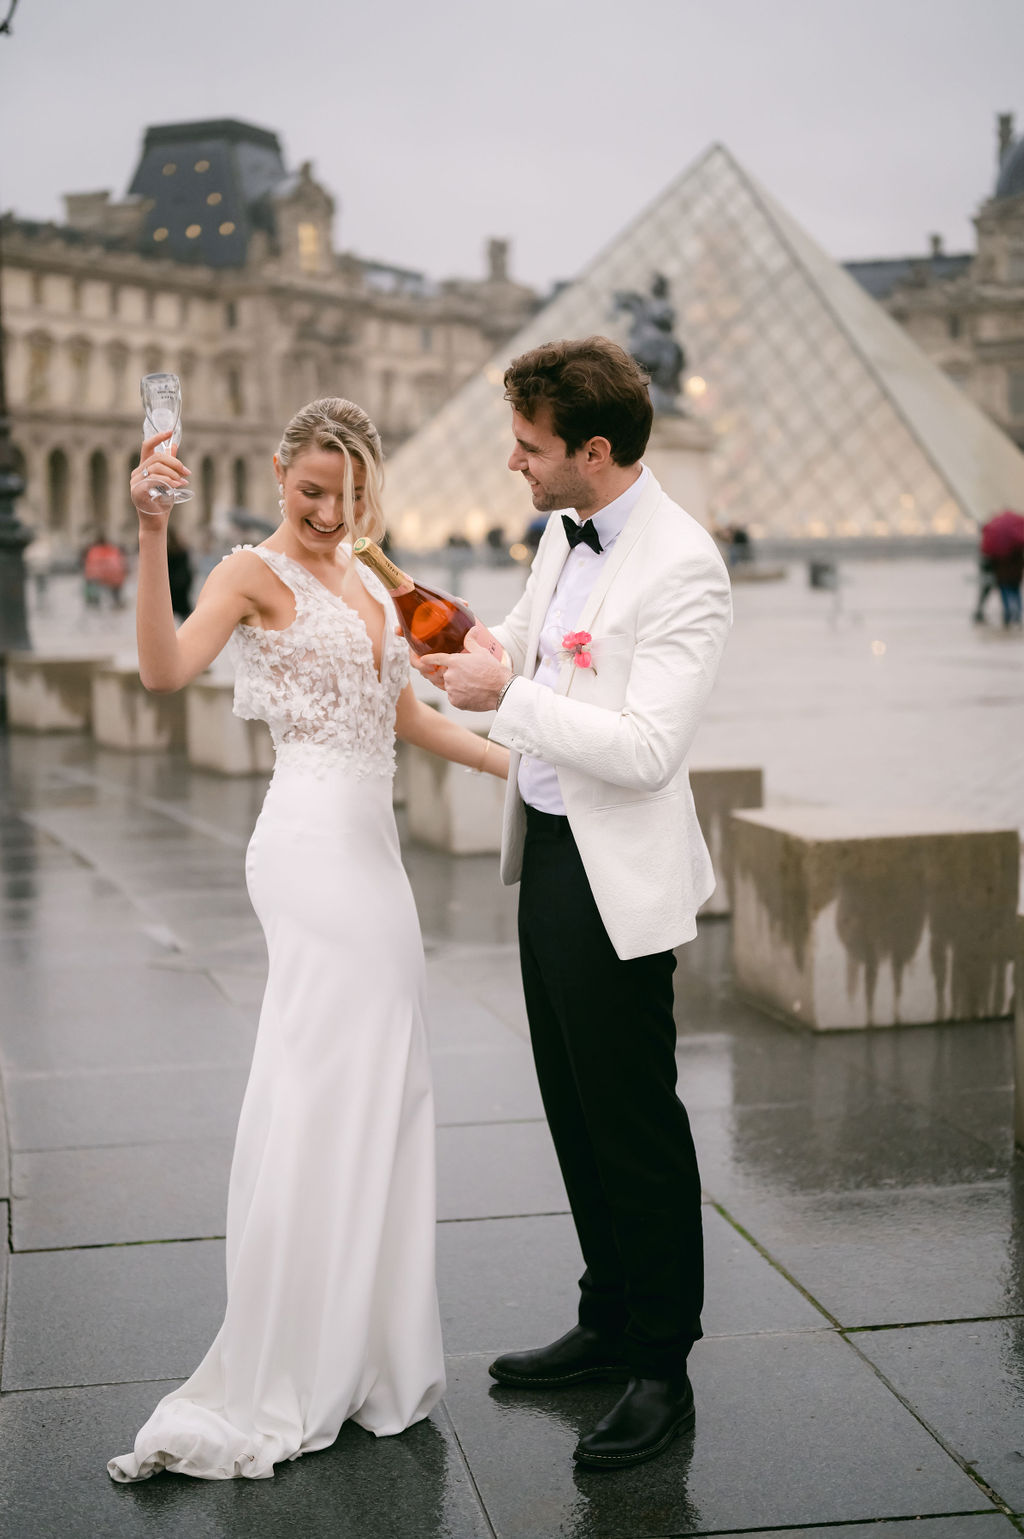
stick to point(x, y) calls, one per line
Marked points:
point(332, 1309)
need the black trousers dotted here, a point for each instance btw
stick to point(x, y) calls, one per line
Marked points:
point(604, 1045)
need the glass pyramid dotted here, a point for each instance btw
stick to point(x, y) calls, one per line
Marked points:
point(828, 421)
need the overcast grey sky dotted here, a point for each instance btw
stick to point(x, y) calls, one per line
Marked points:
point(551, 122)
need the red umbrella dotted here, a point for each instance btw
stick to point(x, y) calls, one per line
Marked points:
point(1003, 534)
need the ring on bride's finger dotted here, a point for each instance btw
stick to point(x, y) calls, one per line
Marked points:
point(145, 472)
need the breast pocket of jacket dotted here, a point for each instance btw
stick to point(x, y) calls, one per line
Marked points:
point(611, 658)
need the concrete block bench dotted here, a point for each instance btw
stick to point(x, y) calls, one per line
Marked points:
point(125, 715)
point(216, 739)
point(717, 794)
point(51, 694)
point(853, 919)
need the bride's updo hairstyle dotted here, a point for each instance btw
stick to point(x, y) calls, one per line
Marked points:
point(342, 427)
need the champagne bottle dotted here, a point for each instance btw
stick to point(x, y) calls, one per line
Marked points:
point(431, 620)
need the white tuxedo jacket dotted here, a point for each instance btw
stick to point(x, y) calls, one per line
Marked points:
point(619, 733)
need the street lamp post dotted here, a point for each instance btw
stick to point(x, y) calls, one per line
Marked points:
point(13, 534)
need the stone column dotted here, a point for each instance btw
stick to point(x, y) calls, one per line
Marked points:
point(79, 504)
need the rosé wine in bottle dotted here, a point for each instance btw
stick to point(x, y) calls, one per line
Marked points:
point(431, 620)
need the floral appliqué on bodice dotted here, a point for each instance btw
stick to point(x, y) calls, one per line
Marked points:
point(315, 682)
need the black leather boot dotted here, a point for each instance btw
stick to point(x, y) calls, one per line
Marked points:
point(642, 1425)
point(578, 1355)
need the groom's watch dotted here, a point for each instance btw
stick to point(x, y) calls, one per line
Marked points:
point(503, 691)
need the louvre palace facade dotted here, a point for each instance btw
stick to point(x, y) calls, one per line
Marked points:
point(219, 265)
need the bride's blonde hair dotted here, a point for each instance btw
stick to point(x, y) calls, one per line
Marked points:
point(344, 428)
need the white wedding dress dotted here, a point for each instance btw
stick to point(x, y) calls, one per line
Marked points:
point(332, 1308)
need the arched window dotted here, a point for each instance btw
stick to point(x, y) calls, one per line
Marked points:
point(240, 483)
point(57, 490)
point(99, 489)
point(207, 486)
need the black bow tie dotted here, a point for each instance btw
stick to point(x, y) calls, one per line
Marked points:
point(586, 532)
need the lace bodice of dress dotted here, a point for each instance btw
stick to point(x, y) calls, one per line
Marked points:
point(315, 682)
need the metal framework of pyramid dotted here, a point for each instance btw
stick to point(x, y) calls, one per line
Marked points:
point(828, 421)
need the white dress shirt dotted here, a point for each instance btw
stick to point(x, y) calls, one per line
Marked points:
point(538, 780)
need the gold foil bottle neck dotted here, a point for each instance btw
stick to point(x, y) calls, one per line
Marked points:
point(393, 578)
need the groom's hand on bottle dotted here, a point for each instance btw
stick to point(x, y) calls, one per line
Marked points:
point(473, 678)
point(478, 639)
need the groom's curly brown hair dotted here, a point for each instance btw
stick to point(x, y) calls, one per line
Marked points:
point(594, 389)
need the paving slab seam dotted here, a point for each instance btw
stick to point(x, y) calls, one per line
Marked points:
point(49, 1389)
point(838, 1524)
point(968, 1469)
point(55, 1250)
point(491, 1218)
point(5, 1289)
point(496, 1122)
point(772, 1262)
point(444, 1411)
point(911, 1325)
point(101, 1071)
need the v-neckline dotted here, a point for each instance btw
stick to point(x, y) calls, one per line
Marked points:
point(351, 609)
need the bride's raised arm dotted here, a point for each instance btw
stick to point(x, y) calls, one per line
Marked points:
point(169, 658)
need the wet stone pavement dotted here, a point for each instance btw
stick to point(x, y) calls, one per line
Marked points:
point(863, 1370)
point(864, 1358)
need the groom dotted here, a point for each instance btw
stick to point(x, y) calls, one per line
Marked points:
point(614, 648)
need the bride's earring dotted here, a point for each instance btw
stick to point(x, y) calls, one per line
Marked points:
point(280, 500)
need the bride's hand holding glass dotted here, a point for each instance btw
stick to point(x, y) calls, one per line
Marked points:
point(156, 478)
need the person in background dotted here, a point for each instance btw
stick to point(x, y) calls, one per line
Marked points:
point(104, 568)
point(180, 573)
point(1008, 572)
point(38, 565)
point(986, 583)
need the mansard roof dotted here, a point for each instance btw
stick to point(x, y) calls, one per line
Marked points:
point(208, 183)
point(880, 275)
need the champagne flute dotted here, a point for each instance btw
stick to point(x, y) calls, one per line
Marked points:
point(161, 397)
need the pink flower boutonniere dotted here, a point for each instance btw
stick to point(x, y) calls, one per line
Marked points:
point(575, 644)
